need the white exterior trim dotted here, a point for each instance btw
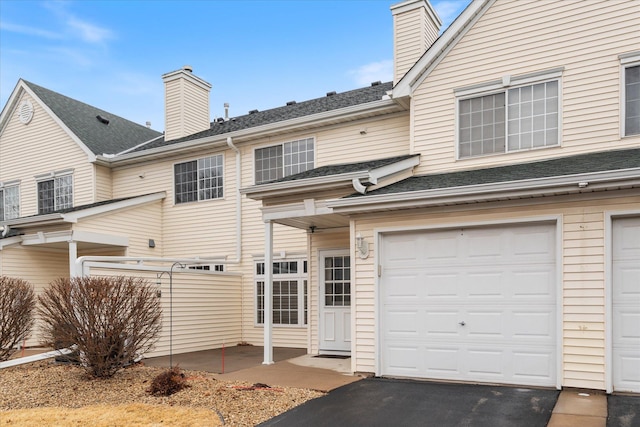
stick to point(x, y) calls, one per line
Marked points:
point(627, 60)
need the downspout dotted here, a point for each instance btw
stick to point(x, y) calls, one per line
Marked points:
point(238, 199)
point(357, 185)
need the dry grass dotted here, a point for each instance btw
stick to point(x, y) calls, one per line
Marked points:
point(132, 415)
point(46, 392)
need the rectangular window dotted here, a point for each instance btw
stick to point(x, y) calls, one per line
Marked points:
point(9, 202)
point(289, 293)
point(216, 267)
point(200, 179)
point(55, 194)
point(632, 100)
point(518, 118)
point(278, 161)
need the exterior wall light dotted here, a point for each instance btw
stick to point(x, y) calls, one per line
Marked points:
point(362, 246)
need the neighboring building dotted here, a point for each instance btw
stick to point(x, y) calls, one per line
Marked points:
point(484, 227)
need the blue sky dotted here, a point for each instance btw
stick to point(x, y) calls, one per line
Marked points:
point(256, 54)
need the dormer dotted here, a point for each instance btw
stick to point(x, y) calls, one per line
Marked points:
point(186, 103)
point(416, 26)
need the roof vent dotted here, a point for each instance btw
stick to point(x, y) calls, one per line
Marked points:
point(102, 120)
point(25, 111)
point(291, 103)
point(220, 119)
point(333, 92)
point(378, 83)
point(188, 68)
point(253, 111)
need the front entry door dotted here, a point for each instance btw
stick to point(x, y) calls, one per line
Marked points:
point(335, 302)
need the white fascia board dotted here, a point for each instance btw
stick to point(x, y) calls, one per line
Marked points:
point(309, 207)
point(10, 241)
point(393, 168)
point(30, 221)
point(487, 192)
point(260, 191)
point(74, 236)
point(136, 201)
point(91, 157)
point(215, 141)
point(421, 69)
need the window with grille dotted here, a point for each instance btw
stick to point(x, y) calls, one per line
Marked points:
point(9, 202)
point(337, 281)
point(200, 179)
point(289, 293)
point(55, 194)
point(519, 118)
point(631, 77)
point(278, 161)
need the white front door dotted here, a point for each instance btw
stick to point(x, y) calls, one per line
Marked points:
point(335, 302)
point(626, 305)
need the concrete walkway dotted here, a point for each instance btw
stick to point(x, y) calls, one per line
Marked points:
point(576, 408)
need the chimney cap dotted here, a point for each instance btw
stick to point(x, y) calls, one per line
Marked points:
point(188, 68)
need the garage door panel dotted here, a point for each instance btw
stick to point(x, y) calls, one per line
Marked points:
point(626, 304)
point(484, 311)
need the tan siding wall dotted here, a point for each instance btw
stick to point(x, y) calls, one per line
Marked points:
point(103, 183)
point(21, 263)
point(519, 37)
point(583, 275)
point(186, 109)
point(41, 147)
point(139, 224)
point(206, 309)
point(414, 32)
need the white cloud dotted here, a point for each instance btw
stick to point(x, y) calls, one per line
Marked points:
point(89, 32)
point(374, 71)
point(30, 31)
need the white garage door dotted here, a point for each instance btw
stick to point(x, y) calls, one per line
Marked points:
point(626, 304)
point(470, 304)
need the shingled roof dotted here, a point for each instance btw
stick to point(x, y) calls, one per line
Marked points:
point(118, 135)
point(330, 102)
point(605, 161)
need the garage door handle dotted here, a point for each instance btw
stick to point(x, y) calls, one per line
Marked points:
point(462, 323)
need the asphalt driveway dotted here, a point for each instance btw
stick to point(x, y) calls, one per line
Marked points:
point(624, 411)
point(388, 402)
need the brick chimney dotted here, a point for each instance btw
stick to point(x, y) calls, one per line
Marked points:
point(416, 26)
point(186, 103)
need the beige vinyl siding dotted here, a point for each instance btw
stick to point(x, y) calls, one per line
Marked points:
point(51, 264)
point(206, 309)
point(582, 267)
point(139, 224)
point(42, 147)
point(186, 108)
point(325, 240)
point(520, 37)
point(414, 32)
point(103, 183)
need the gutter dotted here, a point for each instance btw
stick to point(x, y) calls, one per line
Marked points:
point(578, 183)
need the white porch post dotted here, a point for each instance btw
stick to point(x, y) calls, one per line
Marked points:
point(268, 293)
point(73, 255)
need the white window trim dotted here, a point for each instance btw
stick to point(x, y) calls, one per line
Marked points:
point(224, 180)
point(300, 276)
point(627, 60)
point(497, 86)
point(256, 148)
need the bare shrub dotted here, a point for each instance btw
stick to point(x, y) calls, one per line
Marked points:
point(168, 382)
point(17, 303)
point(111, 320)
